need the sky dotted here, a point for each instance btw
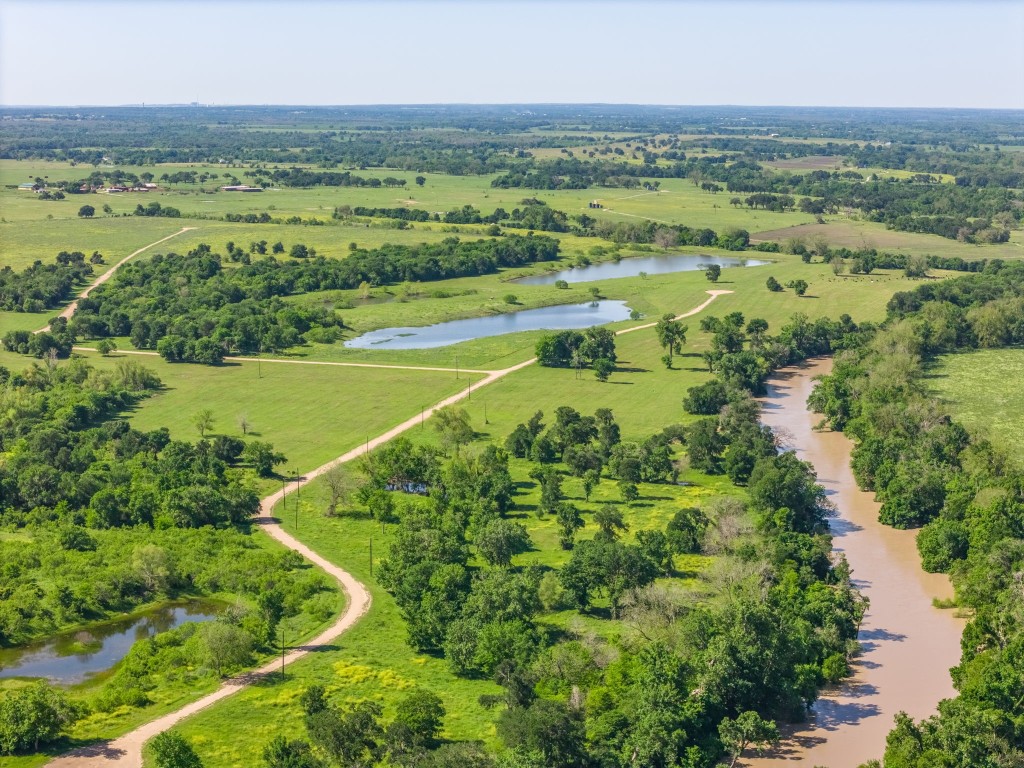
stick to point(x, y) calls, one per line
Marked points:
point(884, 53)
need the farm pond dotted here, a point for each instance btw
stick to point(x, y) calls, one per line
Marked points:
point(558, 317)
point(73, 657)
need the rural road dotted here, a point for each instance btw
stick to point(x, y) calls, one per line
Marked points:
point(69, 310)
point(126, 751)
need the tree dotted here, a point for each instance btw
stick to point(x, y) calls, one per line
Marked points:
point(224, 645)
point(422, 712)
point(350, 736)
point(172, 750)
point(569, 521)
point(628, 491)
point(713, 272)
point(281, 753)
point(452, 424)
point(203, 421)
point(671, 336)
point(799, 286)
point(773, 284)
point(603, 368)
point(33, 716)
point(86, 212)
point(244, 424)
point(499, 540)
point(263, 457)
point(610, 522)
point(748, 729)
point(106, 346)
point(420, 181)
point(336, 488)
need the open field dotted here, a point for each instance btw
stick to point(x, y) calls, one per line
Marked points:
point(310, 413)
point(983, 391)
point(867, 234)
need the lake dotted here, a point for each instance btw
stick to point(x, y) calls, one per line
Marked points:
point(72, 657)
point(559, 317)
point(631, 267)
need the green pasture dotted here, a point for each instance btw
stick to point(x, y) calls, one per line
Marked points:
point(311, 413)
point(853, 233)
point(23, 242)
point(982, 389)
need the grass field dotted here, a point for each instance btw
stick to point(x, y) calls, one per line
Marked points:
point(310, 413)
point(864, 234)
point(982, 390)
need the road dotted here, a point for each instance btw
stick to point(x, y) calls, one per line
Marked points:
point(126, 751)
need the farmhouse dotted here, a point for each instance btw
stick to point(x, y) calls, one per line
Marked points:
point(241, 188)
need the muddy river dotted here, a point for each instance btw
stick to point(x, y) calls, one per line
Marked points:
point(908, 645)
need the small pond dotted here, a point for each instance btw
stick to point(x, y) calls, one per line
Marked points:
point(560, 317)
point(631, 267)
point(72, 657)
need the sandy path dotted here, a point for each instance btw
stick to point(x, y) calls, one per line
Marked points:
point(69, 310)
point(713, 294)
point(126, 750)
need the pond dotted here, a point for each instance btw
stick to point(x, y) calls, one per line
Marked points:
point(631, 267)
point(74, 656)
point(560, 317)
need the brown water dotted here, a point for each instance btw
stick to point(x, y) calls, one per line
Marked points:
point(908, 645)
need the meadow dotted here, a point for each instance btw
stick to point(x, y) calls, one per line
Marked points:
point(982, 390)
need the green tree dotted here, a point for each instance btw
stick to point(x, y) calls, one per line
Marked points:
point(223, 645)
point(422, 712)
point(172, 750)
point(603, 368)
point(609, 521)
point(281, 753)
point(263, 458)
point(106, 346)
point(713, 272)
point(86, 212)
point(773, 285)
point(34, 716)
point(671, 336)
point(569, 521)
point(420, 181)
point(499, 540)
point(453, 426)
point(749, 729)
point(203, 421)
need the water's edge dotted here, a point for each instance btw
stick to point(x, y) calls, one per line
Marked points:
point(908, 645)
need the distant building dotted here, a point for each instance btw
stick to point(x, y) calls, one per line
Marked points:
point(595, 204)
point(241, 188)
point(28, 186)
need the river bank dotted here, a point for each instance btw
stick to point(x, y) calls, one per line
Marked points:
point(908, 644)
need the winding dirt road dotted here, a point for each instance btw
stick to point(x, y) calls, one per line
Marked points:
point(126, 751)
point(69, 310)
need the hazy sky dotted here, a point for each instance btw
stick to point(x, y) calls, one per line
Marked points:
point(805, 52)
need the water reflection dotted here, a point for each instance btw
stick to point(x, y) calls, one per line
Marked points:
point(72, 657)
point(559, 317)
point(651, 265)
